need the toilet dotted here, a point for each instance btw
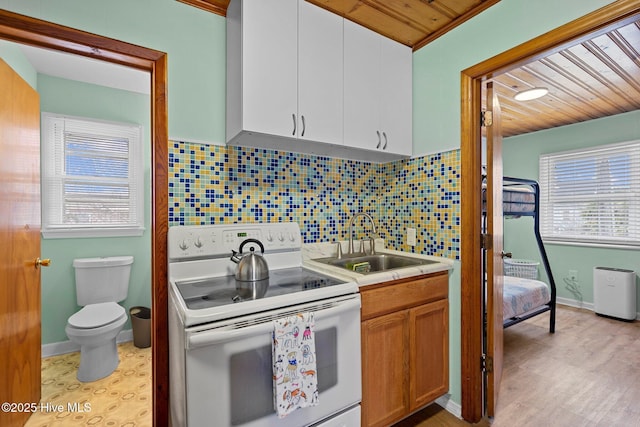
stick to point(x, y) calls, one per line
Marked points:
point(100, 284)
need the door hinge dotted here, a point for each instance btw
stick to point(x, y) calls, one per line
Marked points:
point(486, 363)
point(486, 118)
point(486, 241)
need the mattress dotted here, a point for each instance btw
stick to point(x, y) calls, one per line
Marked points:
point(523, 295)
point(515, 199)
point(518, 200)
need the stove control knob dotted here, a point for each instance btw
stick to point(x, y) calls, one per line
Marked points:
point(269, 236)
point(281, 237)
point(292, 237)
point(183, 245)
point(198, 243)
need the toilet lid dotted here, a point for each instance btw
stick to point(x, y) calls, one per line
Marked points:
point(95, 315)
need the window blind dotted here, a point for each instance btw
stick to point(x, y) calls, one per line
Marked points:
point(592, 196)
point(91, 177)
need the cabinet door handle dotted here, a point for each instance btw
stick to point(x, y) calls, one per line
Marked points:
point(304, 126)
point(294, 124)
point(384, 147)
point(379, 140)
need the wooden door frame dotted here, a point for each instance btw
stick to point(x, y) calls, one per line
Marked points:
point(600, 21)
point(31, 31)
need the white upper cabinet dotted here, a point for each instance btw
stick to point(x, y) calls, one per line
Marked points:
point(320, 88)
point(396, 91)
point(262, 67)
point(377, 92)
point(303, 79)
point(284, 71)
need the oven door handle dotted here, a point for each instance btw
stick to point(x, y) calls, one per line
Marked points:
point(197, 339)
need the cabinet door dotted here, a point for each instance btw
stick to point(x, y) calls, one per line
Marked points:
point(396, 83)
point(361, 87)
point(269, 66)
point(429, 362)
point(385, 342)
point(320, 80)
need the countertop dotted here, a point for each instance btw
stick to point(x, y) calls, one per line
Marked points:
point(313, 251)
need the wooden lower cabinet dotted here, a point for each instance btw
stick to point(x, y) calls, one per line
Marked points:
point(429, 357)
point(405, 347)
point(385, 359)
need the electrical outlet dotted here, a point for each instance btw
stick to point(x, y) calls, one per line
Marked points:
point(573, 275)
point(411, 236)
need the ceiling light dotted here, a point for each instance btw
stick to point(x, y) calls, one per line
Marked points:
point(528, 95)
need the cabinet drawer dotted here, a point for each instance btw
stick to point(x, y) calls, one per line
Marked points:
point(399, 295)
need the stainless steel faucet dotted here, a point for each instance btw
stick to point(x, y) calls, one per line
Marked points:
point(371, 238)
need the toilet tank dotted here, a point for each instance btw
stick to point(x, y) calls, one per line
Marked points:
point(102, 279)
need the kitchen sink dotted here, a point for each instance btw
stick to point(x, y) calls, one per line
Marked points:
point(374, 263)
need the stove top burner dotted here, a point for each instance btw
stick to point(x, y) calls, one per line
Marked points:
point(218, 291)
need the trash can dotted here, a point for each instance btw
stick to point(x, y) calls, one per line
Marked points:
point(141, 325)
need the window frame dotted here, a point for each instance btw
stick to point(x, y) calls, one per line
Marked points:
point(547, 200)
point(53, 177)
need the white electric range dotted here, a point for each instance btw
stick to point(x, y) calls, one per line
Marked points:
point(220, 329)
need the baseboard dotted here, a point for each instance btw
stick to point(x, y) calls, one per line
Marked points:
point(449, 405)
point(575, 303)
point(64, 347)
point(580, 304)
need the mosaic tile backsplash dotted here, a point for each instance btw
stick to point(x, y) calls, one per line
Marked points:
point(210, 184)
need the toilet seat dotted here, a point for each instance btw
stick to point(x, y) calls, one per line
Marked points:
point(97, 315)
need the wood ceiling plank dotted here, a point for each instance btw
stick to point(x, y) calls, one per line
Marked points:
point(597, 88)
point(420, 15)
point(458, 21)
point(615, 67)
point(219, 7)
point(555, 109)
point(594, 79)
point(385, 19)
point(453, 8)
point(411, 22)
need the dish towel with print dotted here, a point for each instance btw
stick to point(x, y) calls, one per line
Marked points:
point(295, 381)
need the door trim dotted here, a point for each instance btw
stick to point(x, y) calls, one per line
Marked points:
point(31, 31)
point(614, 15)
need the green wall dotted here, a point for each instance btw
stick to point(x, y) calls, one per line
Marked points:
point(58, 283)
point(195, 42)
point(14, 57)
point(518, 153)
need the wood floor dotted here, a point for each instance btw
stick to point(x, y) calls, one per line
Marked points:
point(587, 374)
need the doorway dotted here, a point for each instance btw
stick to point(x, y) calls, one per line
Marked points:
point(472, 79)
point(22, 29)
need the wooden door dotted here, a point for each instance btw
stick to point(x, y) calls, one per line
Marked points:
point(429, 344)
point(494, 252)
point(385, 342)
point(20, 237)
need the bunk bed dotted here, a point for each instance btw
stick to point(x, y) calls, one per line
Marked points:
point(524, 297)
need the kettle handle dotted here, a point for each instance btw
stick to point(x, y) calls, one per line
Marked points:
point(258, 242)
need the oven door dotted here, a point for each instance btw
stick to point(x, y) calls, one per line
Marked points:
point(229, 370)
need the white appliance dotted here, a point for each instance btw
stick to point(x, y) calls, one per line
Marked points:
point(220, 339)
point(614, 292)
point(100, 284)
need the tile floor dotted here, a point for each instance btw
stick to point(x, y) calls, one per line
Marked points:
point(122, 399)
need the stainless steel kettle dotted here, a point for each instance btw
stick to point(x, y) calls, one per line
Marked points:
point(251, 266)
